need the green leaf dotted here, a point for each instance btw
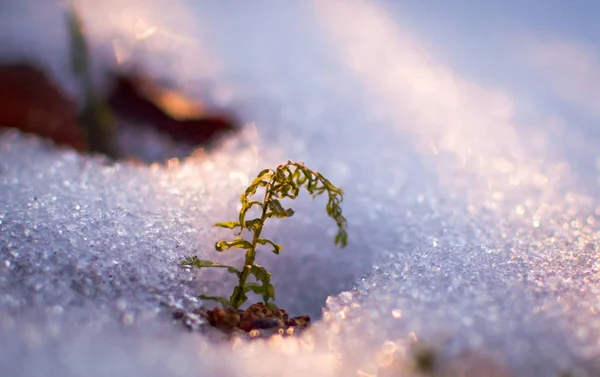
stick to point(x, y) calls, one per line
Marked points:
point(187, 263)
point(222, 300)
point(242, 216)
point(253, 224)
point(270, 290)
point(276, 207)
point(236, 301)
point(336, 212)
point(238, 243)
point(341, 238)
point(262, 275)
point(279, 175)
point(195, 262)
point(254, 203)
point(256, 183)
point(290, 174)
point(276, 248)
point(263, 172)
point(278, 210)
point(294, 192)
point(258, 289)
point(246, 205)
point(227, 224)
point(301, 179)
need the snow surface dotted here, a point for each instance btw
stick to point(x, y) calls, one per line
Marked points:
point(472, 200)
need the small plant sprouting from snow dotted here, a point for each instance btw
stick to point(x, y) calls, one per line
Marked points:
point(285, 181)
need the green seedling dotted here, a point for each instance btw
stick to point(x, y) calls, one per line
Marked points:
point(285, 181)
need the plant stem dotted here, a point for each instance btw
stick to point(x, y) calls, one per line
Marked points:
point(238, 292)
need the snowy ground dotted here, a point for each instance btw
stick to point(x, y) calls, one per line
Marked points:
point(465, 138)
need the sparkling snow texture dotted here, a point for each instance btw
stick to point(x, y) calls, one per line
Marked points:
point(472, 227)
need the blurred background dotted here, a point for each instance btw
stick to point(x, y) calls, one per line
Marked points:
point(61, 81)
point(90, 75)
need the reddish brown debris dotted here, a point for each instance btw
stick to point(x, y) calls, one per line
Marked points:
point(223, 319)
point(31, 102)
point(167, 111)
point(256, 317)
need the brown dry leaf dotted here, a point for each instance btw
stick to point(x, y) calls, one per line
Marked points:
point(30, 102)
